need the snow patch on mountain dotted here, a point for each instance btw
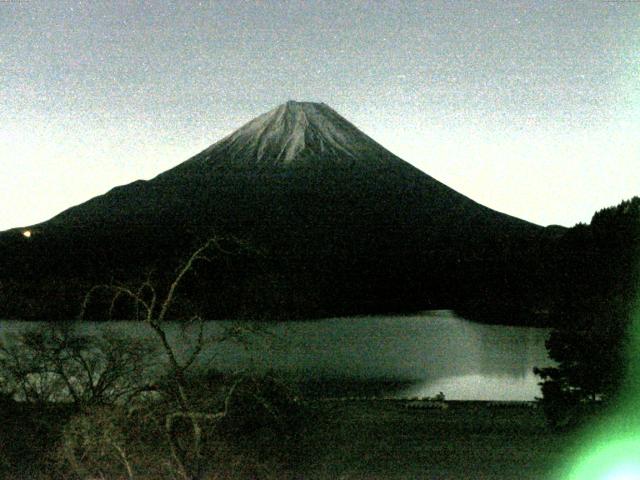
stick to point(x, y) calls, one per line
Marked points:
point(297, 130)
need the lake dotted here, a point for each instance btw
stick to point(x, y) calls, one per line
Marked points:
point(426, 353)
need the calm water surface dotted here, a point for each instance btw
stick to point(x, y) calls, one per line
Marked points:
point(432, 352)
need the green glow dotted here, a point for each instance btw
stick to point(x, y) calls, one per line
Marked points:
point(609, 460)
point(610, 450)
point(624, 472)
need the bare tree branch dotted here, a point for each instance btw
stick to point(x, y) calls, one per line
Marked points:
point(155, 312)
point(197, 255)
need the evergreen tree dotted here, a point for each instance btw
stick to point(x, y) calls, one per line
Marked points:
point(597, 279)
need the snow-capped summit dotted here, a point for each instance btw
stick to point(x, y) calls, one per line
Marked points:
point(297, 134)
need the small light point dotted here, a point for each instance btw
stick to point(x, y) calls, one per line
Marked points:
point(26, 233)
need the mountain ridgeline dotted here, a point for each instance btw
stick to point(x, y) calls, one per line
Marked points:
point(336, 224)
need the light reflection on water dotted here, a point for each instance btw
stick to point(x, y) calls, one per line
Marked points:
point(434, 351)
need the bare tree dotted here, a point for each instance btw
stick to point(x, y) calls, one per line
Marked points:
point(153, 308)
point(53, 363)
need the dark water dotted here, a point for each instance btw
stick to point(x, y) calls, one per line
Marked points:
point(429, 352)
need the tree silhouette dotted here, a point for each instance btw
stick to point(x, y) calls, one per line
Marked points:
point(152, 307)
point(598, 269)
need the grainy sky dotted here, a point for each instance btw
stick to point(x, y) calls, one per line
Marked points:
point(531, 108)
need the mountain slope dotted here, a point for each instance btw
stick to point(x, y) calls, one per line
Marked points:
point(346, 225)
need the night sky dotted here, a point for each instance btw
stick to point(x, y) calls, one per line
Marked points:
point(531, 108)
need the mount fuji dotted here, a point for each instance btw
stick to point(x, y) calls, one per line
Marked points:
point(345, 226)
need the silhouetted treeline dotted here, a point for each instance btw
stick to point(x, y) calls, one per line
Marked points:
point(521, 274)
point(597, 294)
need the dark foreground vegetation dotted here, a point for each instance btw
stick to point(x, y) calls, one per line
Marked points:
point(252, 432)
point(80, 406)
point(331, 440)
